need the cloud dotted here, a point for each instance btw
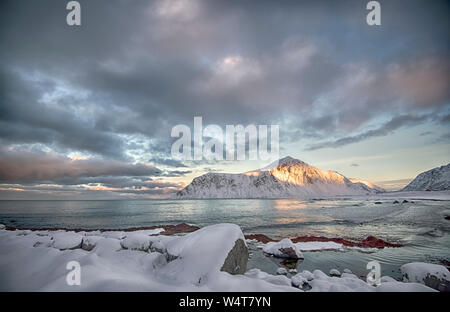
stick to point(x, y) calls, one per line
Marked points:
point(168, 162)
point(24, 166)
point(113, 88)
point(385, 129)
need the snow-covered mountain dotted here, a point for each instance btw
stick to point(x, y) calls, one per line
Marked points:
point(287, 178)
point(437, 179)
point(369, 184)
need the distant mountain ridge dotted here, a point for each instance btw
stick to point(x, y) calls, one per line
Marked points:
point(436, 179)
point(286, 178)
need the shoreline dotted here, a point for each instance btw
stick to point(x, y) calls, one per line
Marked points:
point(169, 229)
point(147, 260)
point(172, 229)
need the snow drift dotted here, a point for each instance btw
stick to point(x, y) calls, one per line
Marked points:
point(146, 261)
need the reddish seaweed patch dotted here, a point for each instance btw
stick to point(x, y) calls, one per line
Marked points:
point(260, 237)
point(368, 242)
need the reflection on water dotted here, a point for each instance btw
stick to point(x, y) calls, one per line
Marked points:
point(288, 204)
point(420, 226)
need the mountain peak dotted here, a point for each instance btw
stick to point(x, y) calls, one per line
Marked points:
point(286, 161)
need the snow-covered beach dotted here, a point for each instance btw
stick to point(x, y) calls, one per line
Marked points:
point(212, 258)
point(289, 245)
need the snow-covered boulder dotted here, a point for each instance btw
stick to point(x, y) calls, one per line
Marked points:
point(432, 275)
point(299, 280)
point(136, 241)
point(281, 280)
point(2, 226)
point(41, 240)
point(199, 256)
point(282, 271)
point(322, 282)
point(159, 243)
point(335, 272)
point(89, 242)
point(348, 282)
point(283, 249)
point(67, 240)
point(106, 246)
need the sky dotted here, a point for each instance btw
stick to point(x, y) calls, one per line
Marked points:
point(86, 111)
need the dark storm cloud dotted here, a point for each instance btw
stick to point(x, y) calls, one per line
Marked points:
point(176, 173)
point(23, 166)
point(152, 64)
point(167, 162)
point(384, 129)
point(153, 188)
point(45, 191)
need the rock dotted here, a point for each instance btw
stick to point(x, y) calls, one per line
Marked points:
point(67, 240)
point(405, 201)
point(283, 249)
point(282, 271)
point(106, 247)
point(307, 275)
point(43, 241)
point(290, 264)
point(447, 217)
point(206, 254)
point(396, 202)
point(299, 280)
point(446, 263)
point(89, 242)
point(158, 246)
point(237, 258)
point(432, 275)
point(2, 226)
point(136, 241)
point(348, 271)
point(292, 270)
point(334, 272)
point(378, 202)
